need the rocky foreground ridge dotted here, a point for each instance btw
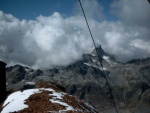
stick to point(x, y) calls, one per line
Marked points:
point(129, 81)
point(45, 98)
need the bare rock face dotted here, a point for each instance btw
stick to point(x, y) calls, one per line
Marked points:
point(130, 82)
point(44, 98)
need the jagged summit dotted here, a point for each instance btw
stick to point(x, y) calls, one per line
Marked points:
point(100, 51)
point(105, 58)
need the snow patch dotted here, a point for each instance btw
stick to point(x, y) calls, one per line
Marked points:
point(57, 95)
point(104, 68)
point(30, 83)
point(93, 60)
point(88, 64)
point(15, 102)
point(108, 60)
point(27, 69)
point(68, 107)
point(106, 57)
point(93, 55)
point(92, 108)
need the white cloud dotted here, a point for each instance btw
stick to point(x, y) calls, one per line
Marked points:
point(132, 11)
point(138, 43)
point(45, 42)
point(91, 8)
point(56, 40)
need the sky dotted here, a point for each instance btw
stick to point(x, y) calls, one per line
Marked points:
point(49, 33)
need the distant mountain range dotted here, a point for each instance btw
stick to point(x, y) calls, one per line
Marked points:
point(130, 82)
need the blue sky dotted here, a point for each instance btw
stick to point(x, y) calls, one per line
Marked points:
point(48, 33)
point(30, 9)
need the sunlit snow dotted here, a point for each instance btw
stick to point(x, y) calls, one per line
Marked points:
point(15, 102)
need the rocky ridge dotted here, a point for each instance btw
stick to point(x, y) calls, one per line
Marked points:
point(44, 98)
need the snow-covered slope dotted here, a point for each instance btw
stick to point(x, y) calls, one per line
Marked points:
point(49, 99)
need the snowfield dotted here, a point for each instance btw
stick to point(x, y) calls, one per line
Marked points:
point(15, 102)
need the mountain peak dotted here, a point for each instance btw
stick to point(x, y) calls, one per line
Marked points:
point(100, 51)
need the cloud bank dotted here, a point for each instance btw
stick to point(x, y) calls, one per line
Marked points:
point(58, 41)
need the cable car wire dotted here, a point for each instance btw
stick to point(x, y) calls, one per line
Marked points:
point(109, 88)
